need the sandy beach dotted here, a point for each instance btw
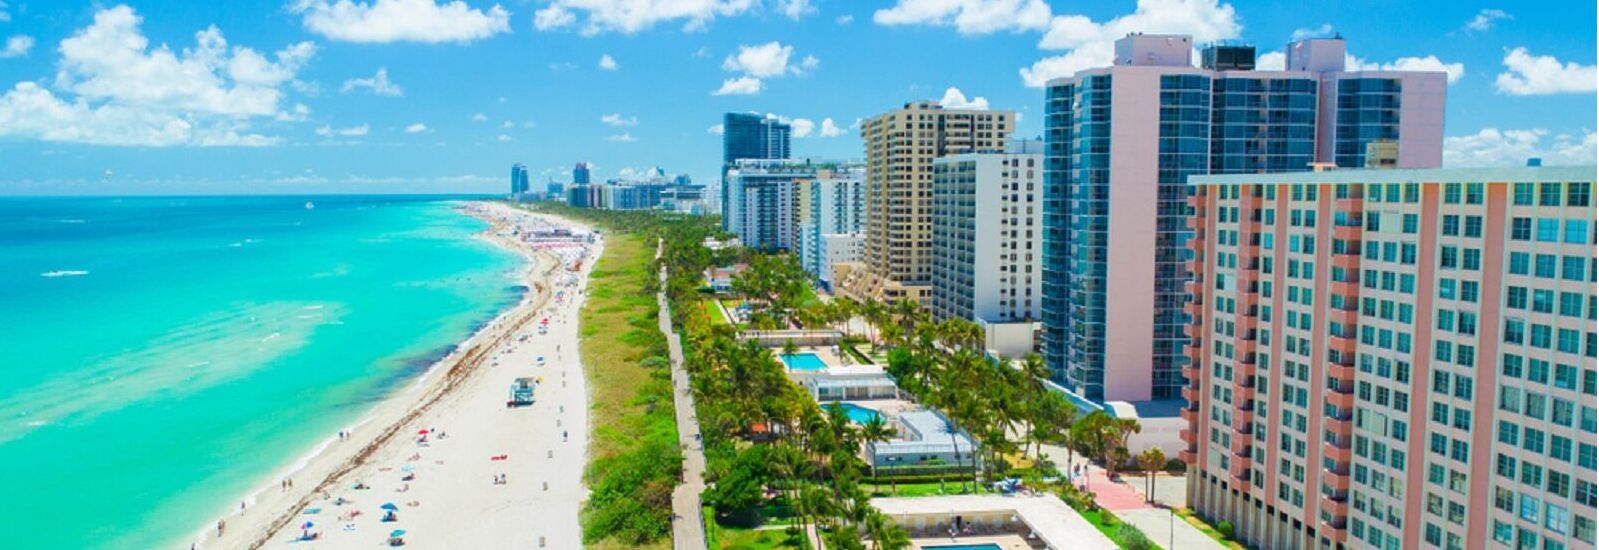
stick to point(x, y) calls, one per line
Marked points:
point(446, 457)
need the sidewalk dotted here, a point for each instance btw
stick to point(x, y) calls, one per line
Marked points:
point(688, 522)
point(1126, 502)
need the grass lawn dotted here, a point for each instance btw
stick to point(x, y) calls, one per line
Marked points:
point(630, 406)
point(919, 489)
point(713, 313)
point(1208, 529)
point(725, 536)
point(618, 330)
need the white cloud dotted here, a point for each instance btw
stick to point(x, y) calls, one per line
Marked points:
point(768, 60)
point(631, 16)
point(795, 9)
point(379, 84)
point(563, 66)
point(507, 124)
point(1318, 32)
point(353, 131)
point(298, 113)
point(1429, 63)
point(622, 137)
point(5, 16)
point(969, 17)
point(743, 85)
point(503, 137)
point(1277, 61)
point(1495, 147)
point(717, 129)
point(704, 51)
point(1271, 61)
point(607, 62)
point(802, 127)
point(17, 46)
point(954, 99)
point(1485, 20)
point(480, 117)
point(416, 128)
point(401, 20)
point(1089, 44)
point(117, 90)
point(844, 19)
point(1543, 74)
point(616, 119)
point(830, 129)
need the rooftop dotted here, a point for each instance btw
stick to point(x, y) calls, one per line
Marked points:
point(1501, 174)
point(1047, 516)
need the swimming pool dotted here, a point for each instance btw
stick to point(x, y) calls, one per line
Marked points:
point(803, 361)
point(983, 546)
point(857, 413)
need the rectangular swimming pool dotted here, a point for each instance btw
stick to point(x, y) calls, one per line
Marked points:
point(982, 546)
point(803, 361)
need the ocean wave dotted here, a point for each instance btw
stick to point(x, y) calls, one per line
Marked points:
point(64, 273)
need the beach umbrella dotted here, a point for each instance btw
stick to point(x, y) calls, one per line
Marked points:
point(390, 506)
point(423, 431)
point(397, 533)
point(308, 525)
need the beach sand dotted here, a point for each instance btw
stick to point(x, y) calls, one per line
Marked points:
point(452, 499)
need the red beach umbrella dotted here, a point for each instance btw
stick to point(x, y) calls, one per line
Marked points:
point(422, 431)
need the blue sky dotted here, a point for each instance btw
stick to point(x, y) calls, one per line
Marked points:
point(346, 96)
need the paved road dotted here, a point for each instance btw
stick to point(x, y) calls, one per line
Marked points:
point(688, 522)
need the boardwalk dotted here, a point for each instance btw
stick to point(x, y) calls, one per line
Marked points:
point(688, 523)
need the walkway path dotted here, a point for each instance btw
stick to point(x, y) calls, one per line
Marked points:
point(688, 522)
point(1125, 500)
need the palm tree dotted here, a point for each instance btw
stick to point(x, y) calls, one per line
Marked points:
point(1151, 460)
point(875, 430)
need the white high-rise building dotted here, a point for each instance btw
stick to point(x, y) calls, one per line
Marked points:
point(830, 219)
point(987, 214)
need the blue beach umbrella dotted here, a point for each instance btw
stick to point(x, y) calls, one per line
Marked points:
point(390, 506)
point(308, 525)
point(397, 533)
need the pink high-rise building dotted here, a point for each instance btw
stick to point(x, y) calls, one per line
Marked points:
point(1394, 358)
point(1121, 143)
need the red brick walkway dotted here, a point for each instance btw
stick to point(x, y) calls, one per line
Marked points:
point(1114, 496)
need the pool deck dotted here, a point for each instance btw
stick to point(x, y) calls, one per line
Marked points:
point(1005, 542)
point(1045, 516)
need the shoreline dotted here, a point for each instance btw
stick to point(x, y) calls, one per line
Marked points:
point(264, 516)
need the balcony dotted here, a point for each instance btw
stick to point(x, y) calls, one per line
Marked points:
point(1188, 457)
point(1192, 331)
point(1190, 394)
point(1241, 447)
point(1343, 316)
point(1188, 436)
point(1337, 506)
point(1342, 399)
point(1338, 453)
point(1336, 479)
point(1338, 425)
point(1348, 262)
point(1348, 289)
point(1190, 416)
point(1351, 204)
point(1344, 344)
point(1344, 373)
point(1347, 232)
point(1239, 469)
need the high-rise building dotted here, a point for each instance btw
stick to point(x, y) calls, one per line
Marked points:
point(1394, 358)
point(748, 136)
point(900, 147)
point(580, 174)
point(988, 224)
point(831, 213)
point(761, 206)
point(519, 184)
point(1121, 142)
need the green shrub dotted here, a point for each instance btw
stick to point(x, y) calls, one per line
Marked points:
point(1131, 538)
point(1226, 529)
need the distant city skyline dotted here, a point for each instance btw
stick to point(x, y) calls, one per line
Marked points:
point(383, 96)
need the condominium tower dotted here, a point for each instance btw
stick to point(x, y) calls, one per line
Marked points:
point(988, 221)
point(830, 218)
point(749, 136)
point(1394, 358)
point(900, 148)
point(1121, 142)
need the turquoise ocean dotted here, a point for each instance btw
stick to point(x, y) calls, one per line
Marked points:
point(162, 357)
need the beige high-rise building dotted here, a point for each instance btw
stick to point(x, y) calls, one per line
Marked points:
point(900, 148)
